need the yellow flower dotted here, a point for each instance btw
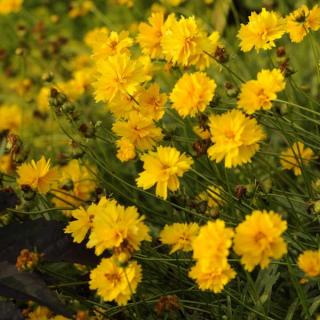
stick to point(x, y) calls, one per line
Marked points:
point(10, 117)
point(128, 3)
point(114, 282)
point(150, 35)
point(82, 223)
point(300, 21)
point(8, 6)
point(139, 130)
point(122, 105)
point(179, 236)
point(6, 165)
point(258, 239)
point(112, 44)
point(211, 277)
point(258, 94)
point(40, 313)
point(213, 243)
point(173, 3)
point(37, 175)
point(212, 196)
point(236, 138)
point(117, 228)
point(309, 262)
point(126, 150)
point(118, 74)
point(95, 37)
point(76, 184)
point(180, 42)
point(162, 168)
point(201, 132)
point(43, 99)
point(296, 157)
point(261, 31)
point(192, 93)
point(79, 9)
point(152, 102)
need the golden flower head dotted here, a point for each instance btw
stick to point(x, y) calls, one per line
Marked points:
point(295, 157)
point(162, 168)
point(258, 94)
point(37, 175)
point(8, 6)
point(236, 138)
point(259, 239)
point(261, 31)
point(10, 117)
point(115, 282)
point(118, 228)
point(179, 236)
point(192, 93)
point(309, 262)
point(126, 150)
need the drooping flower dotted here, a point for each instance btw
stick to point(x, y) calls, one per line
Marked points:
point(179, 236)
point(115, 282)
point(261, 31)
point(258, 239)
point(139, 130)
point(211, 277)
point(10, 117)
point(118, 74)
point(192, 93)
point(163, 168)
point(296, 157)
point(117, 228)
point(258, 94)
point(37, 175)
point(301, 21)
point(213, 243)
point(309, 262)
point(236, 138)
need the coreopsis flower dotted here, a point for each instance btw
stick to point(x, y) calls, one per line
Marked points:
point(301, 21)
point(162, 168)
point(10, 117)
point(80, 9)
point(258, 239)
point(79, 227)
point(118, 74)
point(150, 35)
point(201, 131)
point(192, 93)
point(122, 105)
point(8, 6)
point(43, 99)
point(180, 41)
point(211, 277)
point(6, 163)
point(139, 130)
point(95, 37)
point(114, 282)
point(236, 138)
point(117, 228)
point(37, 175)
point(296, 157)
point(113, 43)
point(309, 262)
point(258, 94)
point(75, 185)
point(40, 312)
point(152, 102)
point(212, 197)
point(126, 150)
point(179, 236)
point(213, 243)
point(261, 31)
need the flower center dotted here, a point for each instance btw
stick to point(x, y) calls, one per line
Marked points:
point(230, 134)
point(113, 277)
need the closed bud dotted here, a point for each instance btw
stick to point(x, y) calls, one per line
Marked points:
point(240, 191)
point(231, 90)
point(221, 55)
point(28, 193)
